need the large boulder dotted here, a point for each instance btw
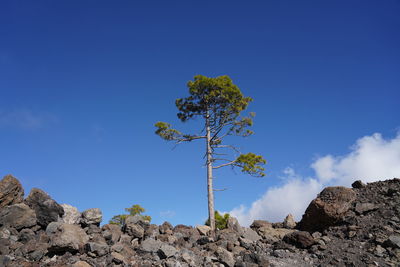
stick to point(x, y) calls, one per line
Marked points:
point(92, 216)
point(328, 209)
point(66, 237)
point(71, 214)
point(203, 229)
point(11, 191)
point(17, 216)
point(47, 210)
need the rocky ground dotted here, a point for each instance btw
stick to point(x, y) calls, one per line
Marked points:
point(357, 226)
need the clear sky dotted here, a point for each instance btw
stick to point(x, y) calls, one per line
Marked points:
point(83, 82)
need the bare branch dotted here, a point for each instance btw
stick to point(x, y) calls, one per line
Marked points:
point(223, 189)
point(188, 139)
point(225, 164)
point(222, 159)
point(228, 146)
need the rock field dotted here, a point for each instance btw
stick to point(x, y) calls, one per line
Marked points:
point(357, 226)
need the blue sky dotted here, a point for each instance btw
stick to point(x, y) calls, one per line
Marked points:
point(83, 82)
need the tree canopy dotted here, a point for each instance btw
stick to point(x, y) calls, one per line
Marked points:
point(133, 210)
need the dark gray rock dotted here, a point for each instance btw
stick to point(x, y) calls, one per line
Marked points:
point(300, 239)
point(26, 235)
point(111, 233)
point(358, 184)
point(150, 245)
point(98, 249)
point(134, 230)
point(225, 257)
point(11, 191)
point(166, 228)
point(166, 251)
point(393, 241)
point(234, 225)
point(250, 234)
point(17, 216)
point(137, 219)
point(362, 208)
point(47, 210)
point(260, 223)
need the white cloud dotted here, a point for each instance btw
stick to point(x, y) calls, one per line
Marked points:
point(370, 159)
point(24, 119)
point(167, 214)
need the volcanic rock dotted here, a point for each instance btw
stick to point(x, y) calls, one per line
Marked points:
point(92, 216)
point(300, 239)
point(11, 191)
point(66, 237)
point(47, 210)
point(17, 216)
point(328, 209)
point(71, 214)
point(289, 222)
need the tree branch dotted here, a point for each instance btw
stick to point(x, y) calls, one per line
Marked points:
point(188, 139)
point(228, 146)
point(225, 164)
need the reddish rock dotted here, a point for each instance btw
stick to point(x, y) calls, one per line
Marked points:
point(11, 191)
point(327, 209)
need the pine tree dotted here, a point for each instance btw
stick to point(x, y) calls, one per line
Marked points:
point(219, 103)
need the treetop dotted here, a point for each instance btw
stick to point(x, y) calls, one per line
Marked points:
point(218, 97)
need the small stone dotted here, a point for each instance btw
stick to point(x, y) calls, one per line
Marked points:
point(362, 208)
point(358, 184)
point(260, 223)
point(203, 229)
point(379, 251)
point(316, 235)
point(81, 264)
point(166, 251)
point(117, 258)
point(300, 239)
point(250, 234)
point(98, 249)
point(289, 222)
point(166, 228)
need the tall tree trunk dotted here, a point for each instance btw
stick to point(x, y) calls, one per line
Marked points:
point(211, 214)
